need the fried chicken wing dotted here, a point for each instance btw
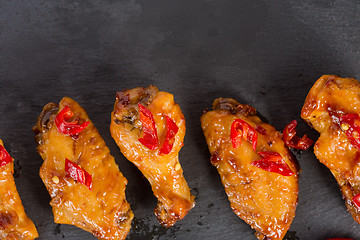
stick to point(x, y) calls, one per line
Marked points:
point(332, 107)
point(82, 178)
point(258, 171)
point(149, 128)
point(14, 223)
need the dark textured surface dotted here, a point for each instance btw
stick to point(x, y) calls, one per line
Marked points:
point(264, 53)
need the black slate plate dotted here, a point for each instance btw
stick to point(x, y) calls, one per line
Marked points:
point(264, 53)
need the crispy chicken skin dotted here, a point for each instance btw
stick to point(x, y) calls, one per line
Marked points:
point(329, 99)
point(265, 200)
point(14, 223)
point(103, 210)
point(163, 171)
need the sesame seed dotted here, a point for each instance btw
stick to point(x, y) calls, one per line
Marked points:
point(177, 167)
point(55, 179)
point(344, 127)
point(355, 134)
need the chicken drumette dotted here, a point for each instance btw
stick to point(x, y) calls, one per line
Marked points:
point(149, 128)
point(332, 107)
point(258, 171)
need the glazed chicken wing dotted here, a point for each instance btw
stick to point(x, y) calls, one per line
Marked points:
point(14, 223)
point(82, 178)
point(332, 107)
point(258, 171)
point(149, 128)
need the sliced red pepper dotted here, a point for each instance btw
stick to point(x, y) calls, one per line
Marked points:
point(78, 173)
point(4, 156)
point(356, 201)
point(260, 129)
point(149, 138)
point(273, 162)
point(293, 141)
point(350, 123)
point(241, 129)
point(171, 131)
point(69, 128)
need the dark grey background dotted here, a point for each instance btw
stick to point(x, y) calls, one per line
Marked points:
point(264, 53)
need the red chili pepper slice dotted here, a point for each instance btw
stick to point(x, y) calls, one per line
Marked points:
point(273, 162)
point(149, 139)
point(356, 201)
point(69, 128)
point(350, 123)
point(171, 131)
point(78, 173)
point(241, 129)
point(4, 156)
point(293, 141)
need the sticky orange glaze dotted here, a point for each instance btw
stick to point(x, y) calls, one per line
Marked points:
point(164, 172)
point(14, 223)
point(103, 210)
point(265, 200)
point(329, 99)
